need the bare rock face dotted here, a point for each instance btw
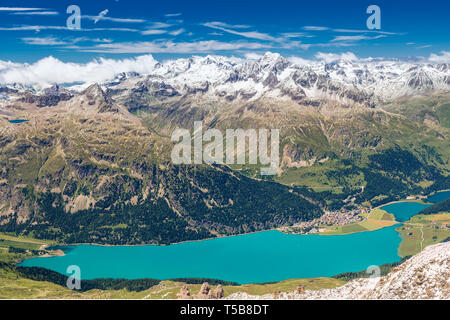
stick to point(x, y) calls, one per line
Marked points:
point(205, 293)
point(217, 293)
point(300, 289)
point(184, 293)
point(276, 294)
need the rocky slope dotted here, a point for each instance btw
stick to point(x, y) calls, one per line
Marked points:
point(275, 77)
point(87, 170)
point(92, 164)
point(424, 276)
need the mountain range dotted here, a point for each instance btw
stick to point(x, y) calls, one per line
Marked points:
point(91, 163)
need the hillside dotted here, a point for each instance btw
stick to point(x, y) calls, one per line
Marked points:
point(92, 161)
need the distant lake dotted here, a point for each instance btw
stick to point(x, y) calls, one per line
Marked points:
point(18, 121)
point(403, 211)
point(254, 258)
point(439, 197)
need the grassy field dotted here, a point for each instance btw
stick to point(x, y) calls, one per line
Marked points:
point(14, 287)
point(15, 248)
point(376, 219)
point(423, 230)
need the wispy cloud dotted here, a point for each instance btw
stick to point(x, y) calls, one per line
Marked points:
point(36, 13)
point(315, 28)
point(40, 28)
point(171, 15)
point(364, 31)
point(246, 34)
point(20, 9)
point(177, 32)
point(33, 28)
point(160, 25)
point(356, 38)
point(296, 35)
point(158, 28)
point(112, 19)
point(153, 32)
point(163, 46)
point(53, 41)
point(425, 46)
point(229, 26)
point(46, 41)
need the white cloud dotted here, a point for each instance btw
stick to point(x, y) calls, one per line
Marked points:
point(32, 28)
point(153, 32)
point(36, 13)
point(20, 9)
point(171, 15)
point(159, 46)
point(102, 17)
point(332, 57)
point(40, 28)
point(356, 38)
point(253, 56)
point(177, 32)
point(52, 41)
point(228, 26)
point(315, 28)
point(296, 35)
point(443, 58)
point(246, 34)
point(299, 61)
point(161, 25)
point(8, 64)
point(160, 28)
point(43, 73)
point(365, 31)
point(47, 41)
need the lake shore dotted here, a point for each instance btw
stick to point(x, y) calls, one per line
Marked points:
point(280, 229)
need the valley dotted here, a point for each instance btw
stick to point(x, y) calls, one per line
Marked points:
point(91, 164)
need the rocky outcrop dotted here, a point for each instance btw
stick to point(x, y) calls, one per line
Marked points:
point(184, 293)
point(205, 293)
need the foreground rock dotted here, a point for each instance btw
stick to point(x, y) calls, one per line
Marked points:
point(424, 276)
point(205, 293)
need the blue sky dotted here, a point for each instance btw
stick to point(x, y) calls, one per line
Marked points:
point(32, 30)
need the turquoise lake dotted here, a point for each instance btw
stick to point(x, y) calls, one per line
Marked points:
point(254, 258)
point(440, 196)
point(403, 211)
